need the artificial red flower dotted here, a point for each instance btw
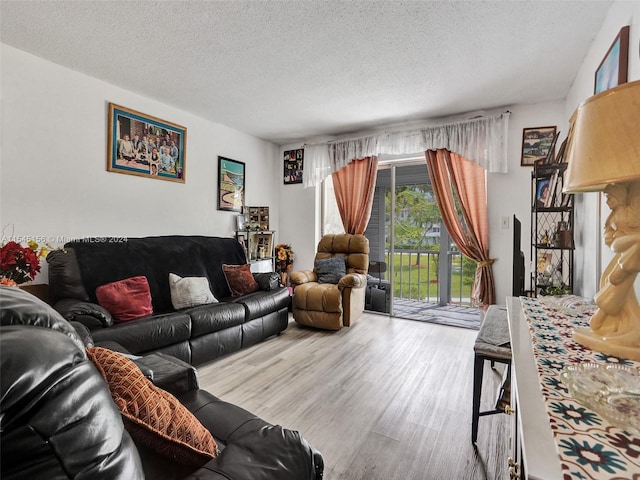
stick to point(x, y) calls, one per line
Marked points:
point(17, 263)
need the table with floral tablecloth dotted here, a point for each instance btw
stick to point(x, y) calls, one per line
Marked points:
point(589, 446)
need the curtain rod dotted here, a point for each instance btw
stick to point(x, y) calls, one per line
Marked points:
point(410, 131)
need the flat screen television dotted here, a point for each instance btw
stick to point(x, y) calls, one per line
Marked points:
point(518, 260)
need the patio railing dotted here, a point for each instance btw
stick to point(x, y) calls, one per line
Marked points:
point(416, 276)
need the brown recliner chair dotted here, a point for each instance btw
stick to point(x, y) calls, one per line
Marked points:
point(337, 304)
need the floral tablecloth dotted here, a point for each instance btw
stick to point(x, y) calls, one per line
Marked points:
point(588, 445)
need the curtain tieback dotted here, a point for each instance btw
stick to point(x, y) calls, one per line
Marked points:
point(486, 263)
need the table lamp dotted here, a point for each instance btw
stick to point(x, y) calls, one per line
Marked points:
point(603, 153)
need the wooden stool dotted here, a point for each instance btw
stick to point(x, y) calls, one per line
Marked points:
point(492, 343)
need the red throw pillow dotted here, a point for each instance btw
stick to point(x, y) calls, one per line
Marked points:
point(126, 299)
point(240, 279)
point(152, 416)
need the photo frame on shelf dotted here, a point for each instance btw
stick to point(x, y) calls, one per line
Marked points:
point(544, 261)
point(612, 71)
point(231, 184)
point(146, 146)
point(293, 166)
point(536, 144)
point(240, 223)
point(543, 192)
point(552, 149)
point(561, 152)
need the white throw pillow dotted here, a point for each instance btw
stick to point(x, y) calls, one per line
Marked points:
point(190, 291)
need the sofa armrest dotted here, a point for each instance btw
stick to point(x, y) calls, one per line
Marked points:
point(169, 373)
point(89, 314)
point(352, 280)
point(253, 448)
point(302, 276)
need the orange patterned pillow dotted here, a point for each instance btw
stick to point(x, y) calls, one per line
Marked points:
point(153, 417)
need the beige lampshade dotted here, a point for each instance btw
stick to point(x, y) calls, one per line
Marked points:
point(603, 145)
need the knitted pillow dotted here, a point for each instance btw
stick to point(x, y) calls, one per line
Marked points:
point(152, 416)
point(189, 291)
point(126, 299)
point(240, 279)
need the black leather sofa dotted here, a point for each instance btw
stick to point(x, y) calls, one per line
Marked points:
point(195, 335)
point(58, 419)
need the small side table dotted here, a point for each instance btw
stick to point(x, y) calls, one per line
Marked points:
point(40, 290)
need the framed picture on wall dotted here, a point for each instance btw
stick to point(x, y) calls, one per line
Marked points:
point(293, 166)
point(612, 71)
point(537, 143)
point(231, 182)
point(139, 144)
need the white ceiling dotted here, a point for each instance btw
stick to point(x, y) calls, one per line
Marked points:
point(293, 70)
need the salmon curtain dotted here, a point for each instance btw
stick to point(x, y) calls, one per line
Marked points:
point(454, 176)
point(354, 185)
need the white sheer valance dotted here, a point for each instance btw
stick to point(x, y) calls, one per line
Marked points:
point(482, 140)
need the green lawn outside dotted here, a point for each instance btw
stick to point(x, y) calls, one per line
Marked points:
point(416, 276)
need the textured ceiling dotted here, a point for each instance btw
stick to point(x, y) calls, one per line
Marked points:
point(292, 70)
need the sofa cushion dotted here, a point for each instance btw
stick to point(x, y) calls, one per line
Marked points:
point(240, 279)
point(126, 299)
point(260, 303)
point(213, 318)
point(330, 270)
point(190, 291)
point(153, 416)
point(149, 333)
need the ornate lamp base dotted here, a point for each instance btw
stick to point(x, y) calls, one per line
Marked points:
point(588, 338)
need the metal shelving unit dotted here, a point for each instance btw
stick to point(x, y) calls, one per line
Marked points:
point(552, 227)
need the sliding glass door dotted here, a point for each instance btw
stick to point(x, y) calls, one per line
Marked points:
point(413, 261)
point(407, 235)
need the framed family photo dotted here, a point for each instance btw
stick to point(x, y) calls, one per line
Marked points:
point(231, 182)
point(293, 166)
point(543, 192)
point(537, 143)
point(139, 144)
point(612, 71)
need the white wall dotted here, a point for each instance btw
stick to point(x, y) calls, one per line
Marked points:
point(588, 225)
point(509, 193)
point(54, 183)
point(300, 216)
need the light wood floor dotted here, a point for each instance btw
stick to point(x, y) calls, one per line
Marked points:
point(383, 399)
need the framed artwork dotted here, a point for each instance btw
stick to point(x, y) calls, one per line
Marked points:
point(231, 181)
point(537, 143)
point(139, 144)
point(293, 163)
point(612, 71)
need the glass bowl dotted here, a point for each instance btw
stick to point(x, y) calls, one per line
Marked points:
point(611, 390)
